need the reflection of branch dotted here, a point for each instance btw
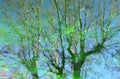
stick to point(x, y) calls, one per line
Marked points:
point(71, 53)
point(49, 67)
point(51, 61)
point(15, 59)
point(96, 49)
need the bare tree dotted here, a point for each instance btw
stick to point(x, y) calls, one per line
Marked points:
point(24, 19)
point(82, 27)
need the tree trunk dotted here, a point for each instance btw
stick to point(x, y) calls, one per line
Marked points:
point(60, 74)
point(35, 76)
point(76, 74)
point(60, 77)
point(34, 73)
point(77, 69)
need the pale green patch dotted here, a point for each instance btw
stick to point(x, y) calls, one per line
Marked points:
point(113, 15)
point(69, 30)
point(10, 35)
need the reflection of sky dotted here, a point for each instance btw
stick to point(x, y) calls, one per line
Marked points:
point(105, 67)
